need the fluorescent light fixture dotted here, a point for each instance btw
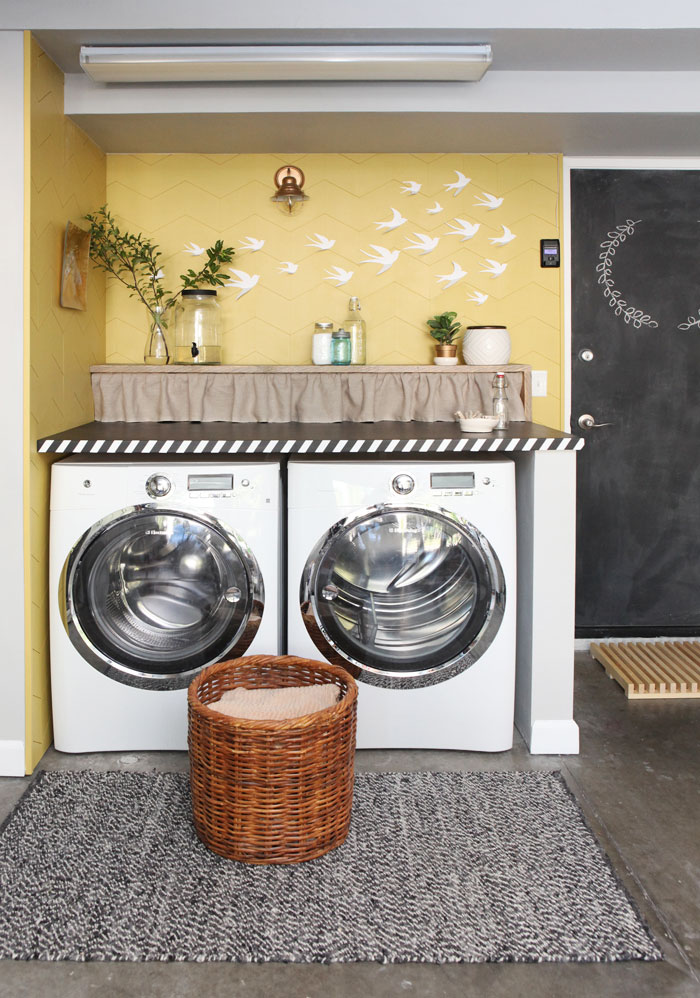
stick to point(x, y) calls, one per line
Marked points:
point(251, 63)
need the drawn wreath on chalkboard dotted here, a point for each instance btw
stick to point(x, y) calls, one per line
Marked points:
point(629, 313)
point(692, 320)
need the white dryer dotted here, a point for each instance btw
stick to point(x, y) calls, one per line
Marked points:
point(157, 569)
point(404, 573)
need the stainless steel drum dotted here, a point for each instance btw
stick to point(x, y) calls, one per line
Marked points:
point(402, 595)
point(150, 595)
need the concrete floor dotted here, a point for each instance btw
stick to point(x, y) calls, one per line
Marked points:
point(637, 780)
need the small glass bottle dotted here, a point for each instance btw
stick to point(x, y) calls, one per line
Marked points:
point(340, 347)
point(197, 333)
point(500, 400)
point(357, 328)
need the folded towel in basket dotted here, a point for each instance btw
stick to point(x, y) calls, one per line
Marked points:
point(276, 705)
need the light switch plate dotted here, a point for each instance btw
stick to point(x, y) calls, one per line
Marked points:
point(539, 384)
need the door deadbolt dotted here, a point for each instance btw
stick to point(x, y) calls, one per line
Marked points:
point(586, 355)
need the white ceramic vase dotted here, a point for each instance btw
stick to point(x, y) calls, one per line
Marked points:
point(486, 346)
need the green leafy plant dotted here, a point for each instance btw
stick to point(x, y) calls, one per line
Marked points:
point(135, 261)
point(444, 328)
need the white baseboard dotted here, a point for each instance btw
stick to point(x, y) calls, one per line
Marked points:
point(554, 738)
point(12, 758)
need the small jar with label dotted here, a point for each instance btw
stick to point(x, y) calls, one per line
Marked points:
point(341, 347)
point(321, 343)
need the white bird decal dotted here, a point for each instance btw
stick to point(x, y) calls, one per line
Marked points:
point(495, 269)
point(459, 184)
point(412, 187)
point(320, 242)
point(461, 227)
point(394, 222)
point(387, 258)
point(507, 237)
point(478, 297)
point(339, 275)
point(252, 244)
point(193, 249)
point(287, 267)
point(449, 279)
point(435, 210)
point(244, 281)
point(489, 201)
point(159, 276)
point(426, 244)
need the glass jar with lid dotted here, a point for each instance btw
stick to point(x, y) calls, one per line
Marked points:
point(198, 327)
point(321, 342)
point(340, 347)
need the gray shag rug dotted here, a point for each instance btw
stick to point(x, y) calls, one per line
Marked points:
point(438, 868)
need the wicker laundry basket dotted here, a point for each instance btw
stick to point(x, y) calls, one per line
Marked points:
point(271, 791)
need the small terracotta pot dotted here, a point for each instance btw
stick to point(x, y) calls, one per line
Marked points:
point(446, 350)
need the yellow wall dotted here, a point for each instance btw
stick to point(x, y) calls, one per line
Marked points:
point(178, 199)
point(66, 178)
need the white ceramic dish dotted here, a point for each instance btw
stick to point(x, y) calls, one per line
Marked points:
point(445, 361)
point(477, 424)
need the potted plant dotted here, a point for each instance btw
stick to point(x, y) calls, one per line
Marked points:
point(444, 328)
point(135, 261)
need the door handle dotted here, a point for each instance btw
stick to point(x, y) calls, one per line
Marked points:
point(587, 422)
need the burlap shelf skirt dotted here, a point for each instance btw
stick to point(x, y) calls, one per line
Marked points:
point(140, 394)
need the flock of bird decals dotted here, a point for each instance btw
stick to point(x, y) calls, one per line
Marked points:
point(384, 257)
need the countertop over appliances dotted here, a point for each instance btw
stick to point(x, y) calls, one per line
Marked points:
point(346, 438)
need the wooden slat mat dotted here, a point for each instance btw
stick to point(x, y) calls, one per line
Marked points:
point(656, 669)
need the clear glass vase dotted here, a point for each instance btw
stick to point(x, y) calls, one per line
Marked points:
point(157, 351)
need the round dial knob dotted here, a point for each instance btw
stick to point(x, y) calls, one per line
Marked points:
point(158, 486)
point(403, 484)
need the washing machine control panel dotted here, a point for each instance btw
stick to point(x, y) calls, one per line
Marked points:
point(452, 483)
point(403, 485)
point(158, 486)
point(208, 486)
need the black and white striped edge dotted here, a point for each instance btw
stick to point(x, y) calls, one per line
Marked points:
point(486, 445)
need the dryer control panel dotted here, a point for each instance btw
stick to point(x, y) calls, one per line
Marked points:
point(452, 483)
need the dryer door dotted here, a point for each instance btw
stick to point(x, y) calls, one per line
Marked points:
point(403, 596)
point(149, 596)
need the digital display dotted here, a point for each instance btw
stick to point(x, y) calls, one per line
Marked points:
point(452, 480)
point(549, 252)
point(209, 483)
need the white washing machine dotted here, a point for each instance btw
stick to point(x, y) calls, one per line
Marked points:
point(404, 573)
point(157, 569)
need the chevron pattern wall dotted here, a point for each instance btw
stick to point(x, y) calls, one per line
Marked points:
point(410, 235)
point(67, 177)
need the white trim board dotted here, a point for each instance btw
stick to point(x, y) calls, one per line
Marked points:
point(12, 758)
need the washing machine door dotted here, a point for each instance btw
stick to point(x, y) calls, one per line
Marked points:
point(149, 596)
point(403, 596)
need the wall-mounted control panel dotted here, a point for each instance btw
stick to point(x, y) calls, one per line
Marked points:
point(549, 253)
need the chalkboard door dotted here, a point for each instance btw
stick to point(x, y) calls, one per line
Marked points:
point(636, 366)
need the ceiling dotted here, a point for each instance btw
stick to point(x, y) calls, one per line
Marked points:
point(581, 90)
